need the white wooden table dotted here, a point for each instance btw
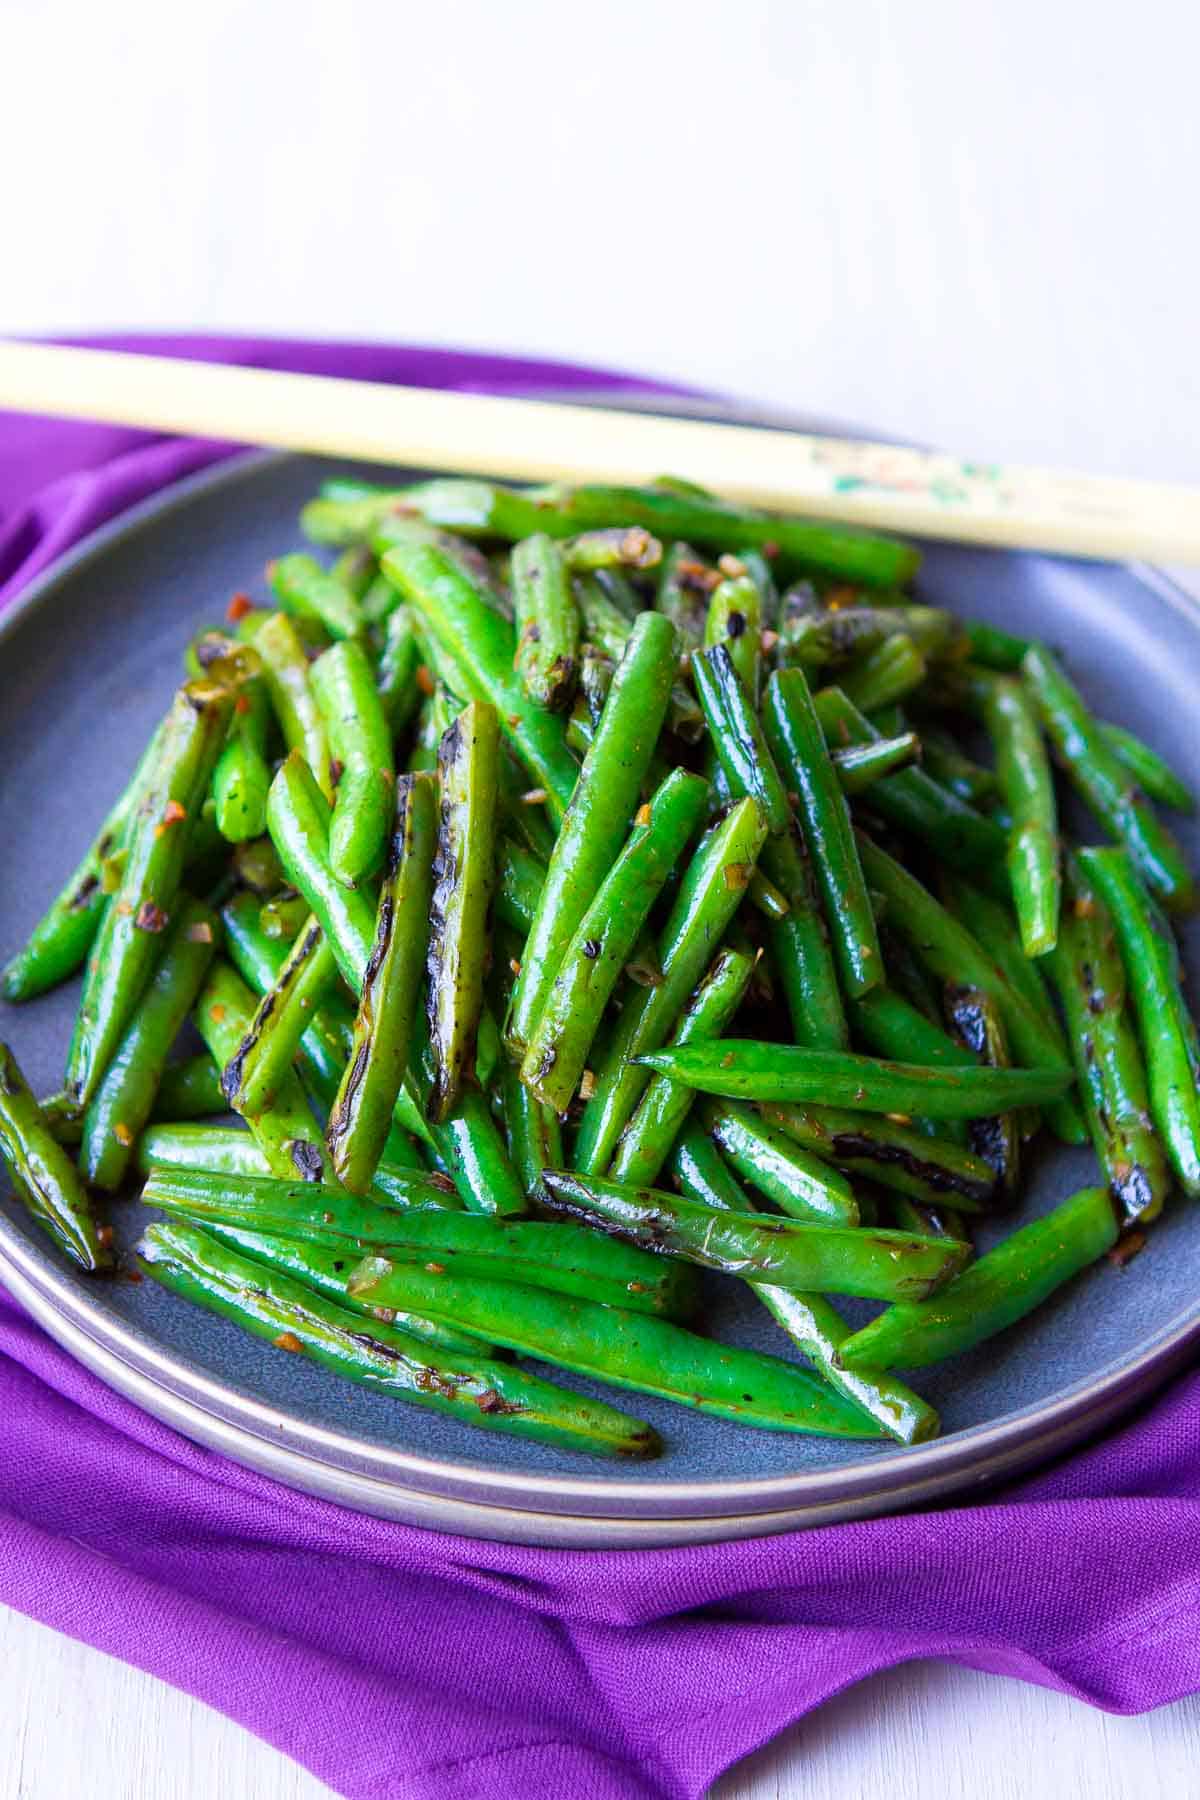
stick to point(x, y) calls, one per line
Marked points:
point(974, 225)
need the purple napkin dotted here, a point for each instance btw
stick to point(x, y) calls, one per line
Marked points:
point(397, 1663)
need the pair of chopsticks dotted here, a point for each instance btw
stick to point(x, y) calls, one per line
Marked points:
point(879, 486)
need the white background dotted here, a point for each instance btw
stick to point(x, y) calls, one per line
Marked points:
point(972, 224)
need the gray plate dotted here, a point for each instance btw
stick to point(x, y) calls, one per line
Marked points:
point(89, 660)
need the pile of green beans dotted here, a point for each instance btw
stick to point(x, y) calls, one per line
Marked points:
point(575, 890)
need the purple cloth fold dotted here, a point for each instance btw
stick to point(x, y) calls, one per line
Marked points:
point(397, 1663)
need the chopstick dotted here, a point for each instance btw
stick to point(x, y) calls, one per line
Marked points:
point(877, 486)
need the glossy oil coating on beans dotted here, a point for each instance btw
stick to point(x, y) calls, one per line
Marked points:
point(991, 1293)
point(266, 1053)
point(974, 1018)
point(285, 670)
point(289, 1315)
point(1028, 788)
point(604, 939)
point(190, 1090)
point(361, 1115)
point(228, 1150)
point(741, 747)
point(129, 940)
point(1152, 773)
point(301, 585)
point(933, 1170)
point(800, 1184)
point(125, 1098)
point(547, 621)
point(753, 1070)
point(859, 766)
point(360, 739)
point(44, 1178)
point(812, 1258)
point(800, 949)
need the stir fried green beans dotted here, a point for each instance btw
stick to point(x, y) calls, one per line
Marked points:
point(812, 1258)
point(44, 1178)
point(1028, 788)
point(932, 1170)
point(604, 939)
point(800, 950)
point(794, 733)
point(547, 621)
point(1108, 1061)
point(123, 1101)
point(1153, 774)
point(301, 585)
point(993, 1292)
point(128, 942)
point(360, 739)
point(1164, 1024)
point(753, 1070)
point(741, 747)
point(645, 1144)
point(266, 1053)
point(228, 1150)
point(860, 766)
point(1105, 783)
point(800, 1185)
point(290, 1316)
point(975, 1020)
point(285, 670)
point(598, 817)
point(190, 1090)
point(361, 1115)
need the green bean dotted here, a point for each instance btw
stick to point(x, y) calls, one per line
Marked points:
point(265, 1055)
point(301, 585)
point(888, 1025)
point(613, 547)
point(243, 774)
point(994, 928)
point(932, 1170)
point(794, 733)
point(609, 628)
point(190, 1090)
point(126, 946)
point(284, 916)
point(771, 901)
point(464, 873)
point(811, 1258)
point(361, 741)
point(800, 949)
point(860, 766)
point(255, 865)
point(286, 1133)
point(708, 897)
point(605, 937)
point(993, 1292)
point(954, 832)
point(598, 816)
point(362, 1112)
point(547, 621)
point(299, 816)
point(567, 1259)
point(801, 1185)
point(475, 1390)
point(942, 759)
point(1164, 1024)
point(630, 1350)
point(645, 1144)
point(685, 582)
point(356, 569)
point(1108, 1062)
point(520, 878)
point(228, 1150)
point(327, 1272)
point(827, 640)
point(534, 1133)
point(738, 737)
point(974, 1017)
point(884, 675)
point(734, 621)
point(455, 611)
point(124, 1100)
point(59, 942)
point(285, 669)
point(748, 1069)
point(952, 953)
point(486, 509)
point(809, 1320)
point(1105, 783)
point(926, 1220)
point(993, 648)
point(399, 661)
point(1028, 788)
point(44, 1178)
point(1152, 773)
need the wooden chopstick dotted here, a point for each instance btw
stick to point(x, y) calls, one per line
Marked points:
point(880, 486)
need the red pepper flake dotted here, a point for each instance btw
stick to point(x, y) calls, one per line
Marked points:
point(514, 965)
point(104, 1236)
point(1085, 906)
point(425, 679)
point(199, 933)
point(737, 876)
point(173, 814)
point(732, 566)
point(770, 549)
point(124, 907)
point(122, 1133)
point(489, 1401)
point(534, 797)
point(841, 598)
point(768, 640)
point(216, 1013)
point(287, 1340)
point(132, 1275)
point(727, 1060)
point(435, 1268)
point(438, 1180)
point(150, 917)
point(336, 770)
point(238, 607)
point(587, 1085)
point(241, 705)
point(1127, 1248)
point(514, 719)
point(642, 815)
